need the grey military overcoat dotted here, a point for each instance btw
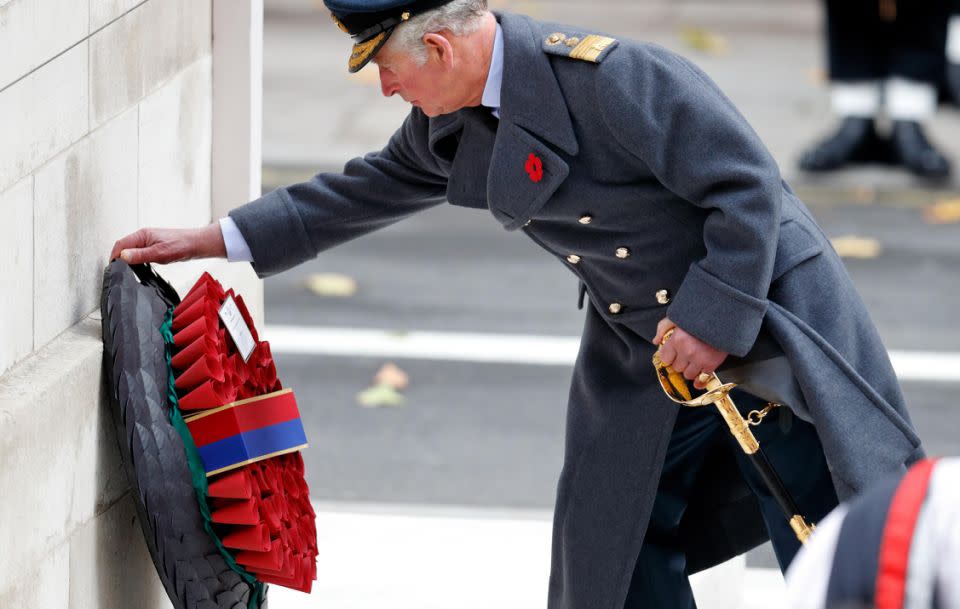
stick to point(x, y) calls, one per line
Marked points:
point(661, 200)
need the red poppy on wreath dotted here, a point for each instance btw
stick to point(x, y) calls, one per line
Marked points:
point(534, 167)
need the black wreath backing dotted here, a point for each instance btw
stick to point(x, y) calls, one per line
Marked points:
point(134, 303)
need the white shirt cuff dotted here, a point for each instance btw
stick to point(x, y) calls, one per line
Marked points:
point(237, 248)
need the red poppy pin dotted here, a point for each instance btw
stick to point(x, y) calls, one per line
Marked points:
point(534, 167)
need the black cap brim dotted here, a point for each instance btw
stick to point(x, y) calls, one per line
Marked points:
point(364, 51)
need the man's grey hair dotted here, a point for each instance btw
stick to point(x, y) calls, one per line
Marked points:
point(459, 17)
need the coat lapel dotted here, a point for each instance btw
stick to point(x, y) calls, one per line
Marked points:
point(467, 185)
point(443, 137)
point(531, 96)
point(534, 121)
point(514, 192)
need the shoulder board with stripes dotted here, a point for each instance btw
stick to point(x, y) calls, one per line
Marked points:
point(591, 47)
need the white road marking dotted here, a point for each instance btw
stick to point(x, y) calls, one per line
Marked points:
point(451, 346)
point(429, 557)
point(943, 366)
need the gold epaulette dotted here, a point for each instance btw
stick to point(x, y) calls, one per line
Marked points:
point(590, 47)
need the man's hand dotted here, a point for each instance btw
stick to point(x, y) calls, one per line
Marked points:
point(165, 245)
point(687, 354)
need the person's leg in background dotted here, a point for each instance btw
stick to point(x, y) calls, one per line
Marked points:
point(910, 91)
point(953, 51)
point(857, 66)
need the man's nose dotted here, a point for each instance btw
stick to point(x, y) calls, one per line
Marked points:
point(388, 86)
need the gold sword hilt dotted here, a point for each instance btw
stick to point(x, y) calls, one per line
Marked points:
point(717, 393)
point(677, 388)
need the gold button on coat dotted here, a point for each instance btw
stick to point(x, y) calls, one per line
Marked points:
point(573, 259)
point(586, 219)
point(623, 252)
point(663, 296)
point(572, 41)
point(555, 38)
point(615, 307)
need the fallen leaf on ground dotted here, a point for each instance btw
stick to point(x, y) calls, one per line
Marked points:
point(392, 376)
point(380, 396)
point(864, 194)
point(946, 211)
point(702, 39)
point(852, 246)
point(331, 284)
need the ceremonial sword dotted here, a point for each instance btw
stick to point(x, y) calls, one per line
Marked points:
point(717, 393)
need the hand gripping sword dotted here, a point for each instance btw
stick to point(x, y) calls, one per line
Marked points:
point(717, 393)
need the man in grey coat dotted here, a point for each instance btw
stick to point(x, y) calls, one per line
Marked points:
point(628, 164)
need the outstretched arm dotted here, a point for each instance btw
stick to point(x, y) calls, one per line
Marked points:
point(165, 245)
point(292, 224)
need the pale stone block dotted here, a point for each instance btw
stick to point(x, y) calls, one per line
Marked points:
point(103, 12)
point(34, 31)
point(16, 281)
point(175, 135)
point(110, 565)
point(85, 201)
point(96, 478)
point(43, 114)
point(40, 585)
point(136, 54)
point(59, 452)
point(237, 103)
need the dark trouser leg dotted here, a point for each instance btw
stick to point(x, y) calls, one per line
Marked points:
point(857, 66)
point(952, 54)
point(917, 40)
point(864, 44)
point(793, 448)
point(916, 56)
point(660, 575)
point(856, 48)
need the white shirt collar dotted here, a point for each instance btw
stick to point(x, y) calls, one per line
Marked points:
point(491, 90)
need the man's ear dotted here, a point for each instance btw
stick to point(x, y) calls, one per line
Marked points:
point(438, 48)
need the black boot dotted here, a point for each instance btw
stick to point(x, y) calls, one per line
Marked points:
point(855, 141)
point(911, 148)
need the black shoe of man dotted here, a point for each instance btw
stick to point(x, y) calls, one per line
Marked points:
point(855, 141)
point(911, 148)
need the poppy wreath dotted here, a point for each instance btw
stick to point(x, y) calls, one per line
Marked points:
point(210, 442)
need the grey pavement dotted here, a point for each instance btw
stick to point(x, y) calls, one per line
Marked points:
point(491, 435)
